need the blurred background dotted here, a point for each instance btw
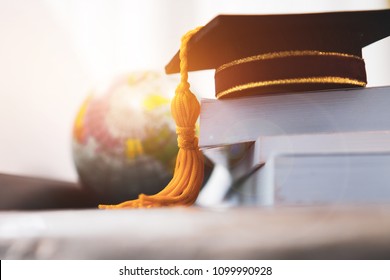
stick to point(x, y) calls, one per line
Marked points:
point(54, 52)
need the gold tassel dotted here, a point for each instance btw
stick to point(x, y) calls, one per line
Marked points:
point(187, 179)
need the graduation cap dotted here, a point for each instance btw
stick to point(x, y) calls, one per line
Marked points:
point(278, 53)
point(261, 54)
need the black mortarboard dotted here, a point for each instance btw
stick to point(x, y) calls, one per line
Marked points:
point(277, 53)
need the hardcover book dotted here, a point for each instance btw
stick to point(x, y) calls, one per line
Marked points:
point(312, 169)
point(245, 119)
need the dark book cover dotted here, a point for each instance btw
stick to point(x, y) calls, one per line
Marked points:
point(28, 193)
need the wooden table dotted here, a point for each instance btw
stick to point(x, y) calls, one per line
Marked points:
point(326, 232)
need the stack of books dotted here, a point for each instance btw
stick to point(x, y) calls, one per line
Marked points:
point(324, 147)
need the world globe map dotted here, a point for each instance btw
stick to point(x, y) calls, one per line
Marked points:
point(124, 139)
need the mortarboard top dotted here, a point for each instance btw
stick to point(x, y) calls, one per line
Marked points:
point(279, 53)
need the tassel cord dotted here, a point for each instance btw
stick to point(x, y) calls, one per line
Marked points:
point(185, 185)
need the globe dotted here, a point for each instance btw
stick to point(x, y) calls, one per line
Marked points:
point(124, 139)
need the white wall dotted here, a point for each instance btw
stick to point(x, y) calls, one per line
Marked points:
point(52, 52)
